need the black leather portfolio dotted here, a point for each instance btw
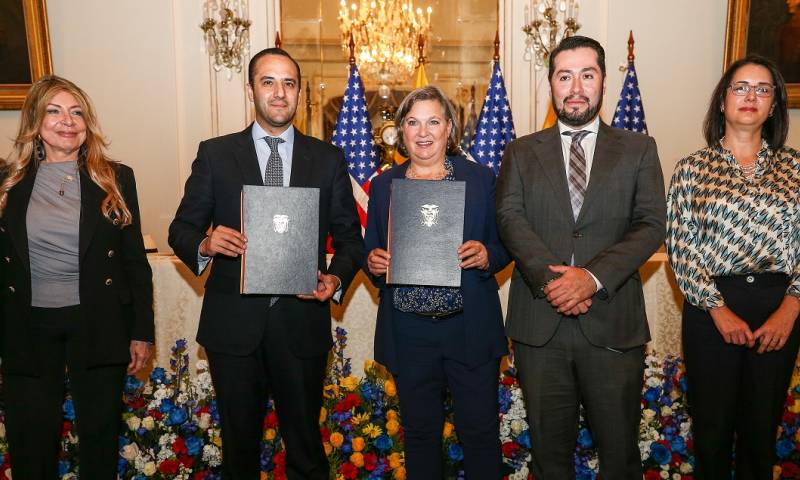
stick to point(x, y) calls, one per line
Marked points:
point(426, 227)
point(282, 229)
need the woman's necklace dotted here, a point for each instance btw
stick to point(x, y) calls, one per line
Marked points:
point(68, 178)
point(748, 170)
point(412, 174)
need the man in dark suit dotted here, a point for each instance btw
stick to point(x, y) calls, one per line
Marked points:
point(266, 345)
point(580, 207)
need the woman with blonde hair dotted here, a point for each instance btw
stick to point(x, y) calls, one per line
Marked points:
point(77, 289)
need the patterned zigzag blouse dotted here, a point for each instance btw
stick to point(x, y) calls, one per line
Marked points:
point(720, 223)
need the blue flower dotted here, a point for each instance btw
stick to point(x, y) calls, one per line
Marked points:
point(176, 417)
point(585, 438)
point(63, 467)
point(383, 442)
point(678, 445)
point(652, 394)
point(158, 375)
point(660, 454)
point(166, 406)
point(524, 439)
point(784, 447)
point(194, 446)
point(69, 410)
point(455, 452)
point(132, 384)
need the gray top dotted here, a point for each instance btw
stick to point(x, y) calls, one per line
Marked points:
point(53, 219)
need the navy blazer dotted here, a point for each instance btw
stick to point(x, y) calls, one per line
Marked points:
point(116, 282)
point(483, 321)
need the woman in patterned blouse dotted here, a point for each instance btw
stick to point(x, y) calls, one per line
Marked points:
point(734, 245)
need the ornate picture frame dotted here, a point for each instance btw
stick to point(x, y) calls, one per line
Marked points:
point(35, 39)
point(746, 19)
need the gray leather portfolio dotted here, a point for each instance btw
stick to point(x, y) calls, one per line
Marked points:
point(426, 227)
point(282, 229)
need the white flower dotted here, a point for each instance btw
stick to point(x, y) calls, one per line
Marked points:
point(649, 414)
point(130, 451)
point(652, 382)
point(686, 467)
point(148, 423)
point(149, 469)
point(204, 421)
point(666, 411)
point(134, 422)
point(517, 426)
point(664, 473)
point(212, 455)
point(202, 365)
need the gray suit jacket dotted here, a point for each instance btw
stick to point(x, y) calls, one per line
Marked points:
point(621, 223)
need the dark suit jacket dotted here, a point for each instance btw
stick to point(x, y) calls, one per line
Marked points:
point(621, 223)
point(116, 282)
point(233, 323)
point(483, 318)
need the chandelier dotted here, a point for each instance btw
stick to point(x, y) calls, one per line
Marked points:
point(386, 33)
point(226, 30)
point(552, 21)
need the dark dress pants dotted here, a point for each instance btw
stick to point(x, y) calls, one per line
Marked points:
point(426, 348)
point(568, 371)
point(243, 385)
point(34, 416)
point(735, 393)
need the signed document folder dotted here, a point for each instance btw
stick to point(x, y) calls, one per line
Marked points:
point(426, 227)
point(282, 229)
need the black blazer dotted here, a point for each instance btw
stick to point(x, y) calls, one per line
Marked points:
point(115, 286)
point(232, 323)
point(483, 319)
point(621, 223)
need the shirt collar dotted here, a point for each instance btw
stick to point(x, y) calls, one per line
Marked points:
point(593, 126)
point(764, 153)
point(259, 133)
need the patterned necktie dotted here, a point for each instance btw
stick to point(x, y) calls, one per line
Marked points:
point(273, 174)
point(577, 170)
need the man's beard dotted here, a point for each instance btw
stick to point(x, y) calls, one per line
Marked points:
point(577, 118)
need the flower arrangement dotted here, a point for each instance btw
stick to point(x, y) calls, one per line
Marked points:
point(171, 427)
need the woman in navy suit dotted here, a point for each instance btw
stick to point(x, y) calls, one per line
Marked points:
point(435, 339)
point(77, 289)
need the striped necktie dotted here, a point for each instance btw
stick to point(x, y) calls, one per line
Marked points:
point(578, 177)
point(273, 174)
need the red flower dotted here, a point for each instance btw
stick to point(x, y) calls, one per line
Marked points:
point(169, 467)
point(65, 428)
point(179, 446)
point(652, 475)
point(509, 449)
point(271, 420)
point(790, 470)
point(325, 434)
point(280, 462)
point(349, 470)
point(370, 461)
point(507, 381)
point(348, 402)
point(136, 403)
point(186, 460)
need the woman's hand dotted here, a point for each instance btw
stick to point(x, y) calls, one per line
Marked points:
point(774, 333)
point(732, 328)
point(473, 254)
point(378, 261)
point(140, 354)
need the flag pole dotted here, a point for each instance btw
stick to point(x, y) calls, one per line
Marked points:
point(352, 46)
point(278, 42)
point(496, 46)
point(631, 56)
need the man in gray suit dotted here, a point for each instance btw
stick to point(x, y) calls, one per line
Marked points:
point(580, 207)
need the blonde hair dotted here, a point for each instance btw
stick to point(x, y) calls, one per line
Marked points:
point(92, 157)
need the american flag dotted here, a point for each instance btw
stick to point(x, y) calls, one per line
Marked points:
point(495, 125)
point(353, 134)
point(629, 114)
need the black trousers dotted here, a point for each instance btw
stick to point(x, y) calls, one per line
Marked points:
point(568, 371)
point(243, 385)
point(736, 394)
point(34, 404)
point(426, 349)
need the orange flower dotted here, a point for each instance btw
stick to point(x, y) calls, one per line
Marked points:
point(394, 460)
point(337, 439)
point(358, 444)
point(389, 388)
point(392, 427)
point(357, 459)
point(400, 473)
point(391, 415)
